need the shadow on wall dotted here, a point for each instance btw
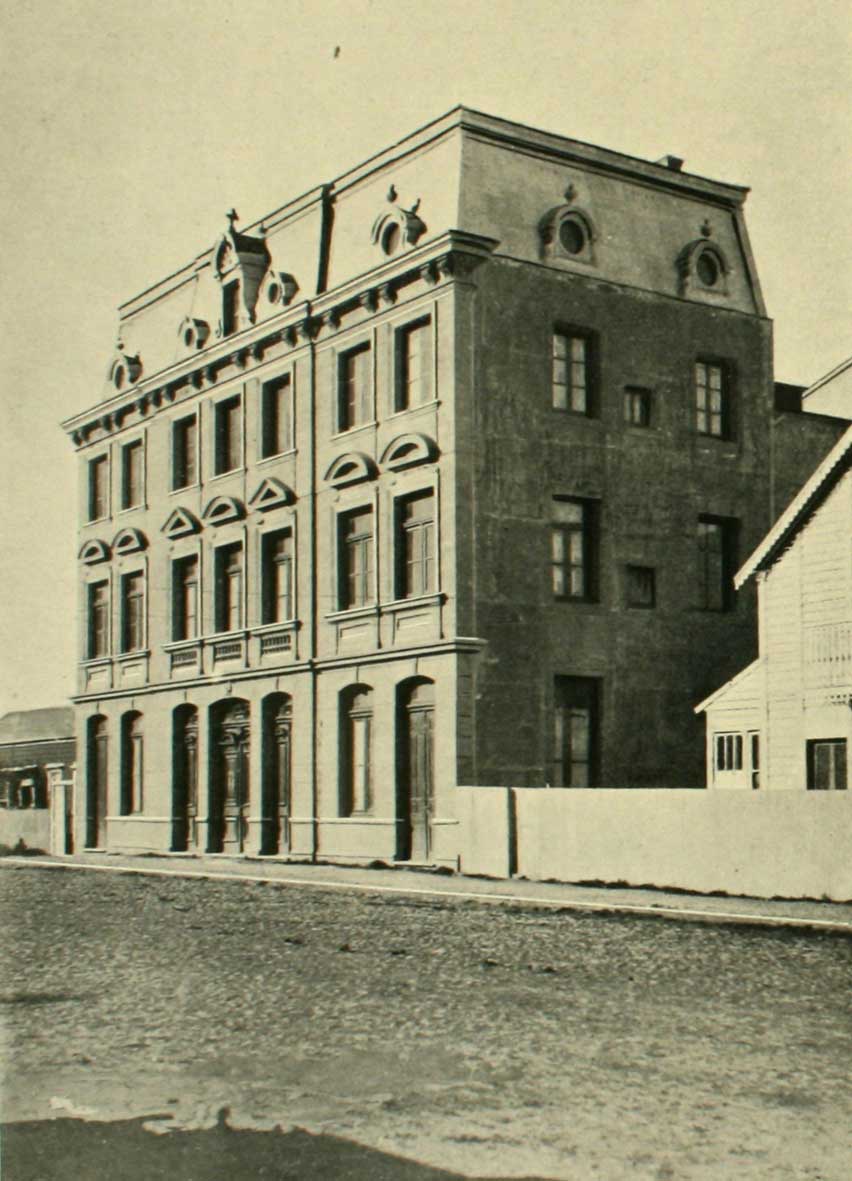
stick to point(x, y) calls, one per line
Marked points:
point(42, 1151)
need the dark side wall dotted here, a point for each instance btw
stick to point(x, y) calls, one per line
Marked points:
point(650, 486)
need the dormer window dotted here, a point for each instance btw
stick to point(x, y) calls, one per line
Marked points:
point(230, 307)
point(703, 267)
point(567, 234)
point(707, 268)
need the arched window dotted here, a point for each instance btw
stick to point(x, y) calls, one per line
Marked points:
point(184, 778)
point(97, 753)
point(131, 763)
point(356, 724)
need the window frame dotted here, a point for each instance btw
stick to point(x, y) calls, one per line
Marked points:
point(587, 694)
point(363, 404)
point(93, 651)
point(275, 392)
point(224, 449)
point(356, 718)
point(132, 496)
point(223, 582)
point(729, 751)
point(269, 564)
point(185, 428)
point(571, 333)
point(724, 414)
point(402, 361)
point(729, 528)
point(132, 626)
point(132, 777)
point(633, 597)
point(230, 307)
point(588, 530)
point(643, 396)
point(425, 530)
point(349, 571)
point(180, 629)
point(837, 746)
point(94, 500)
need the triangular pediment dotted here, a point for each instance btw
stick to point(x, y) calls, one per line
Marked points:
point(408, 450)
point(350, 468)
point(94, 551)
point(271, 493)
point(127, 541)
point(180, 523)
point(222, 509)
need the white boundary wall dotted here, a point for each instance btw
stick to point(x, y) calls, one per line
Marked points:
point(786, 844)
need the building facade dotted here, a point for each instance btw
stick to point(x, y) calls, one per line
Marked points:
point(784, 722)
point(436, 476)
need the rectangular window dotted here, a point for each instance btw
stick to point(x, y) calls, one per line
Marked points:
point(754, 747)
point(98, 615)
point(729, 752)
point(277, 417)
point(98, 488)
point(415, 545)
point(132, 474)
point(185, 598)
point(228, 604)
point(230, 307)
point(277, 566)
point(228, 428)
point(414, 364)
point(717, 562)
point(641, 586)
point(355, 561)
point(353, 388)
point(575, 735)
point(637, 406)
point(573, 544)
point(572, 372)
point(712, 400)
point(132, 612)
point(184, 452)
point(827, 764)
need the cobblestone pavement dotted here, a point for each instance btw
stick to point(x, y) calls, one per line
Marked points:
point(486, 1041)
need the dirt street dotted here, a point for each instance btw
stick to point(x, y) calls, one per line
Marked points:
point(448, 1037)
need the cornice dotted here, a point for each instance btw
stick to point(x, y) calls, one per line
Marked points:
point(451, 256)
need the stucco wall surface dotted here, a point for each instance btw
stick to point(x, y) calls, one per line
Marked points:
point(31, 827)
point(761, 844)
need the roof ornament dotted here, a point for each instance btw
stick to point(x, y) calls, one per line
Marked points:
point(706, 228)
point(232, 216)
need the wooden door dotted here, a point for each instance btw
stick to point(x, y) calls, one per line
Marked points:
point(97, 793)
point(421, 781)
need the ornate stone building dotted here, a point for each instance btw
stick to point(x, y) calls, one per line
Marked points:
point(435, 476)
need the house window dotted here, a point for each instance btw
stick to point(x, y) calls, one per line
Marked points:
point(185, 598)
point(277, 417)
point(641, 586)
point(228, 428)
point(575, 732)
point(228, 604)
point(729, 752)
point(353, 388)
point(717, 559)
point(637, 406)
point(356, 752)
point(132, 474)
point(414, 364)
point(131, 764)
point(572, 372)
point(573, 543)
point(754, 747)
point(712, 400)
point(355, 560)
point(184, 452)
point(98, 488)
point(827, 764)
point(98, 615)
point(132, 612)
point(277, 563)
point(415, 545)
point(230, 307)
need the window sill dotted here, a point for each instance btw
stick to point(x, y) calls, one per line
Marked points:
point(185, 488)
point(433, 599)
point(180, 645)
point(353, 430)
point(96, 662)
point(264, 459)
point(432, 404)
point(578, 600)
point(283, 625)
point(99, 520)
point(136, 654)
point(234, 471)
point(362, 612)
point(132, 508)
point(577, 415)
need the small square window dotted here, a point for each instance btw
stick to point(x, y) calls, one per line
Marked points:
point(641, 586)
point(637, 406)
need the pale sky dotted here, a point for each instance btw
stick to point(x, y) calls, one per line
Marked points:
point(129, 129)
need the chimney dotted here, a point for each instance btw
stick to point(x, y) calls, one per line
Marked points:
point(673, 163)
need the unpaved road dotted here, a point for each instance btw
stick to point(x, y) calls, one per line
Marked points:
point(476, 1040)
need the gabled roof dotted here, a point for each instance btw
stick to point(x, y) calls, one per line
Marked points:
point(800, 509)
point(29, 725)
point(741, 676)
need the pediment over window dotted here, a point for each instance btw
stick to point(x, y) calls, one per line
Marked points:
point(271, 493)
point(128, 541)
point(702, 267)
point(395, 227)
point(94, 551)
point(180, 523)
point(240, 262)
point(222, 509)
point(351, 468)
point(408, 450)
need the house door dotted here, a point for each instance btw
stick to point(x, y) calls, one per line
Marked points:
point(185, 780)
point(417, 772)
point(96, 795)
point(230, 794)
point(276, 810)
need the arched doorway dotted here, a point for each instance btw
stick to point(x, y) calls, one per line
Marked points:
point(184, 779)
point(229, 786)
point(97, 753)
point(415, 769)
point(277, 767)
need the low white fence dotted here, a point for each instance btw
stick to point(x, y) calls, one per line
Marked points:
point(30, 825)
point(763, 844)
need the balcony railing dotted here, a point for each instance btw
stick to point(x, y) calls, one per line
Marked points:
point(828, 655)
